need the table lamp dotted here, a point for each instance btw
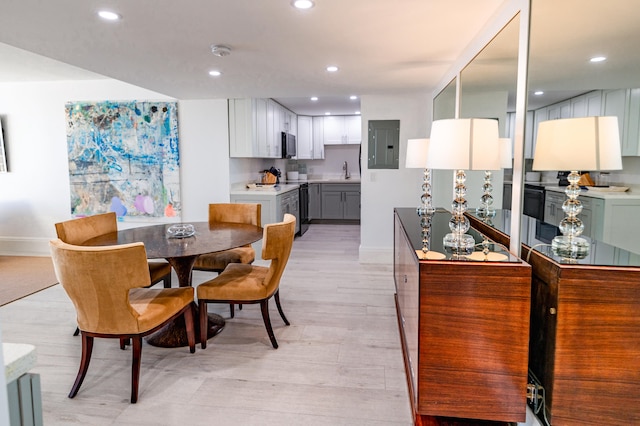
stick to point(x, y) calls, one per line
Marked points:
point(486, 209)
point(417, 150)
point(462, 144)
point(588, 143)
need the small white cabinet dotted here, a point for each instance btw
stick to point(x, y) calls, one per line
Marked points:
point(342, 129)
point(310, 147)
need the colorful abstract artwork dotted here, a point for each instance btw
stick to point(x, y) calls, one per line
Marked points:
point(124, 157)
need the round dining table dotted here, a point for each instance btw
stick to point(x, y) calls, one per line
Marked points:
point(181, 253)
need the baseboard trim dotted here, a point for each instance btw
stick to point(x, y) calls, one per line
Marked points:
point(24, 246)
point(377, 255)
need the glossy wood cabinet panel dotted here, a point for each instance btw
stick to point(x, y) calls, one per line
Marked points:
point(585, 338)
point(470, 322)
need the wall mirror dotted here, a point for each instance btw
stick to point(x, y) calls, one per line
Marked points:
point(488, 90)
point(444, 104)
point(563, 82)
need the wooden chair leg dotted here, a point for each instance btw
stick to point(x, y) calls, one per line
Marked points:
point(87, 348)
point(264, 307)
point(167, 281)
point(191, 334)
point(135, 368)
point(232, 310)
point(276, 296)
point(204, 323)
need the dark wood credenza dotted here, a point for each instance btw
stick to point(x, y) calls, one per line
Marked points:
point(584, 346)
point(464, 327)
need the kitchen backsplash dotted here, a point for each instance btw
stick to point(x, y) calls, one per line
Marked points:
point(244, 170)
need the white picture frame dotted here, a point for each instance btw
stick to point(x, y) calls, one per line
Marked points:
point(3, 152)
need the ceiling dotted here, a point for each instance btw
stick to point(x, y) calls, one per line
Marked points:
point(381, 47)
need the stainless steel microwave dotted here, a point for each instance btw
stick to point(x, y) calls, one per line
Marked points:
point(288, 145)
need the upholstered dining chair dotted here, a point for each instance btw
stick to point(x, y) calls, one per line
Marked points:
point(234, 213)
point(77, 231)
point(240, 283)
point(107, 287)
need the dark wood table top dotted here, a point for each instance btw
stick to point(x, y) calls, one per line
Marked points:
point(207, 239)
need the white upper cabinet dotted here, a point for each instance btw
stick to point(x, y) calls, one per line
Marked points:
point(587, 105)
point(318, 137)
point(342, 129)
point(256, 126)
point(305, 138)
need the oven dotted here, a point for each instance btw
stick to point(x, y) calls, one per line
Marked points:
point(304, 207)
point(533, 201)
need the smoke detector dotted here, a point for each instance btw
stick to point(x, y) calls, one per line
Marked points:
point(219, 50)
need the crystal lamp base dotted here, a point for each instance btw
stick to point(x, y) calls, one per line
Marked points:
point(570, 248)
point(459, 244)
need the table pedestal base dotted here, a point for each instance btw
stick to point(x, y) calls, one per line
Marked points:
point(174, 334)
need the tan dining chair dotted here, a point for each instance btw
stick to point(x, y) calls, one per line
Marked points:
point(247, 284)
point(234, 213)
point(77, 231)
point(107, 287)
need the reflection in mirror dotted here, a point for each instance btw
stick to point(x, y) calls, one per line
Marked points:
point(562, 43)
point(488, 90)
point(444, 105)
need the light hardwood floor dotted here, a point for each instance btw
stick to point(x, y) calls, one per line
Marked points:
point(339, 363)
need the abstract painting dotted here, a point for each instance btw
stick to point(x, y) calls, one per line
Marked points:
point(124, 157)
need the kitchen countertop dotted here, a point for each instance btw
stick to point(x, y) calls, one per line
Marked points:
point(19, 358)
point(241, 189)
point(287, 185)
point(628, 195)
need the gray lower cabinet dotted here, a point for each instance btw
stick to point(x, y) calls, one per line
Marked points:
point(315, 201)
point(273, 206)
point(340, 201)
point(289, 202)
point(592, 213)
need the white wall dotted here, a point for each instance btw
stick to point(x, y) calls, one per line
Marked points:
point(35, 193)
point(384, 189)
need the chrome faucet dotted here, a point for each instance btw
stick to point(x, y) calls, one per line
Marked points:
point(345, 168)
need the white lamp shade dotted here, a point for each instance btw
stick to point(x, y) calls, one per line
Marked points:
point(417, 150)
point(464, 143)
point(506, 153)
point(587, 143)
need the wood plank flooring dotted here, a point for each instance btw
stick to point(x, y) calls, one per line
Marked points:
point(339, 363)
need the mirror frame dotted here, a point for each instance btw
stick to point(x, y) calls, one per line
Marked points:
point(503, 16)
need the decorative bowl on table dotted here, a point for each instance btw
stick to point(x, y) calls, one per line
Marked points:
point(181, 230)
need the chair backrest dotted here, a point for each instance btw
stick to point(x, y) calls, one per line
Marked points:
point(276, 246)
point(98, 280)
point(77, 231)
point(236, 213)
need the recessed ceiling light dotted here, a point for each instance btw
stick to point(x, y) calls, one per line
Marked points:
point(538, 93)
point(327, 113)
point(314, 98)
point(332, 68)
point(353, 97)
point(357, 112)
point(303, 4)
point(215, 73)
point(598, 59)
point(109, 16)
